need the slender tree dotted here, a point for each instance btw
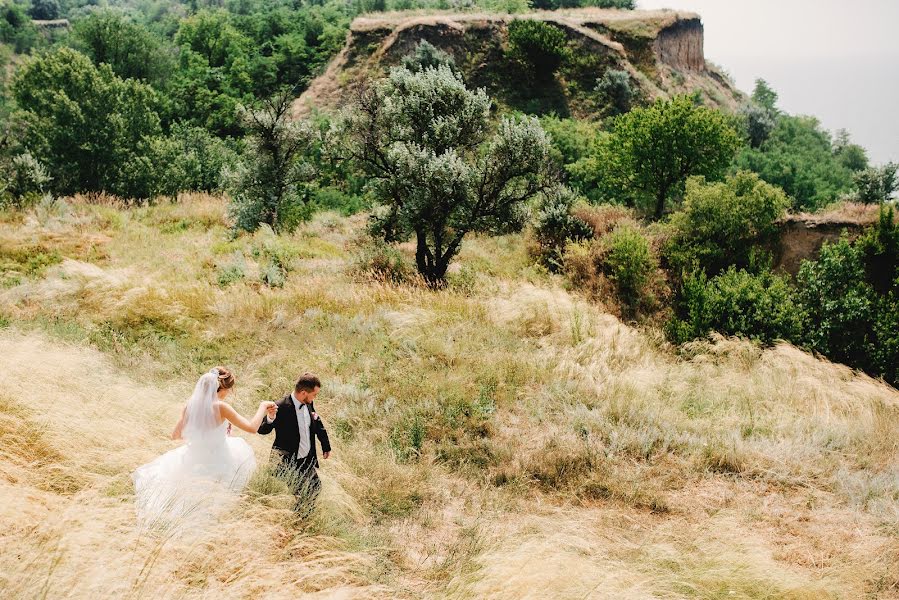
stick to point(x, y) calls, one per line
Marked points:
point(267, 189)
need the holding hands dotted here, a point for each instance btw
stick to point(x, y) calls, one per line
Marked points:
point(271, 409)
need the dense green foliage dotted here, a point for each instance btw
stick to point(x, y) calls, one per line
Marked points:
point(16, 28)
point(90, 128)
point(795, 153)
point(425, 141)
point(724, 224)
point(851, 297)
point(718, 250)
point(426, 55)
point(130, 49)
point(44, 10)
point(537, 45)
point(629, 263)
point(799, 157)
point(844, 304)
point(572, 139)
point(652, 151)
point(192, 159)
point(761, 307)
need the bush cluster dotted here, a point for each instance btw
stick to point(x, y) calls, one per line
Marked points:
point(621, 267)
point(759, 306)
point(555, 226)
point(538, 45)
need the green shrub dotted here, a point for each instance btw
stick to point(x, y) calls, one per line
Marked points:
point(427, 56)
point(652, 151)
point(233, 270)
point(275, 256)
point(851, 297)
point(382, 262)
point(16, 28)
point(571, 138)
point(538, 45)
point(555, 226)
point(438, 166)
point(191, 159)
point(26, 179)
point(273, 275)
point(722, 224)
point(615, 88)
point(877, 184)
point(839, 303)
point(630, 265)
point(758, 122)
point(332, 198)
point(620, 268)
point(762, 307)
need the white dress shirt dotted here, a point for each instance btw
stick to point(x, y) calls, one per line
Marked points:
point(303, 420)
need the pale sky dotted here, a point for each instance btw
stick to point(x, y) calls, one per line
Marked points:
point(835, 59)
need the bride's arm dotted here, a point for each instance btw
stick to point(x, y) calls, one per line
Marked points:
point(251, 426)
point(176, 433)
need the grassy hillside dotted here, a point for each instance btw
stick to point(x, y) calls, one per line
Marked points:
point(500, 438)
point(661, 51)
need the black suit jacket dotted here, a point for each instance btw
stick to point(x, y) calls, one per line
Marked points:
point(287, 434)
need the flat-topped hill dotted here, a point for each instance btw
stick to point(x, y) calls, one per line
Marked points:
point(662, 50)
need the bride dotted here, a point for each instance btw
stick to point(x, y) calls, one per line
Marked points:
point(210, 468)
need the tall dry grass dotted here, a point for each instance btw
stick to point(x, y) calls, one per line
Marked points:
point(501, 438)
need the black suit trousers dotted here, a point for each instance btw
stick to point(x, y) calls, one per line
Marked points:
point(302, 477)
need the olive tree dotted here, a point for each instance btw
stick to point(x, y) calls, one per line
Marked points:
point(438, 167)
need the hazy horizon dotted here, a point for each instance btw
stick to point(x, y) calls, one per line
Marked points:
point(822, 58)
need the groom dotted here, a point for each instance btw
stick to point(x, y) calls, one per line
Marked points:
point(296, 424)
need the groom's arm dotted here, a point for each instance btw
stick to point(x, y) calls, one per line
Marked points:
point(322, 435)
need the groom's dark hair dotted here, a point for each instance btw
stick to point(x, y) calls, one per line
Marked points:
point(307, 383)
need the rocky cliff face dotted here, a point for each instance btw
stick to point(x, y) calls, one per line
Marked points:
point(681, 45)
point(661, 50)
point(802, 235)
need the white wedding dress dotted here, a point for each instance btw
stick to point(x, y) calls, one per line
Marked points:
point(194, 480)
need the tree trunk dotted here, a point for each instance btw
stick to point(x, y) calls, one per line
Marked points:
point(660, 202)
point(430, 266)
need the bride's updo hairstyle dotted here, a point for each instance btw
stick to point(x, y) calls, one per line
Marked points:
point(226, 378)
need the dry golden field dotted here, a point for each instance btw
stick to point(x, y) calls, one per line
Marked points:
point(500, 438)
